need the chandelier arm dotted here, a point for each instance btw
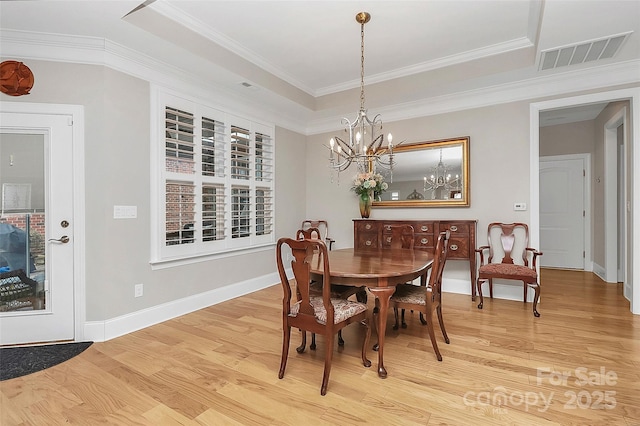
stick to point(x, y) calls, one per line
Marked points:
point(348, 150)
point(378, 140)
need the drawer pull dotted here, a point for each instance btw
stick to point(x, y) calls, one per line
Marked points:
point(453, 247)
point(367, 243)
point(453, 228)
point(387, 227)
point(424, 228)
point(367, 226)
point(388, 239)
point(424, 241)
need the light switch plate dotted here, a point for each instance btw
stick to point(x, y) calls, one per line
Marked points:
point(520, 206)
point(125, 212)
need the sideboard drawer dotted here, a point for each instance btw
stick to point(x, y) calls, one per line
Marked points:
point(365, 226)
point(424, 241)
point(367, 240)
point(456, 228)
point(458, 248)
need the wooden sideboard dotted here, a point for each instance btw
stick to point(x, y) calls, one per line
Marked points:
point(369, 233)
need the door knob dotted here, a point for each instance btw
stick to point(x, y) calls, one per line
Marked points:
point(64, 239)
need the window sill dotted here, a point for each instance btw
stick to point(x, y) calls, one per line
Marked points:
point(188, 260)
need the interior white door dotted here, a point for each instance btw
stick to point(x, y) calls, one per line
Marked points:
point(36, 150)
point(562, 213)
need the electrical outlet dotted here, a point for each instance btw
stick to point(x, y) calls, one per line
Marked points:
point(137, 290)
point(520, 206)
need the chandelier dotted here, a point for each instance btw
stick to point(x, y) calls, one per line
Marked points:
point(365, 146)
point(442, 180)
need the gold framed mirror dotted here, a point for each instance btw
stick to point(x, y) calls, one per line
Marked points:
point(429, 174)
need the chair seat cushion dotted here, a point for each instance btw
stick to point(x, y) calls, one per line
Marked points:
point(409, 293)
point(508, 271)
point(343, 309)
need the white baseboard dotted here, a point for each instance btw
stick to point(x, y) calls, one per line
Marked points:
point(100, 331)
point(599, 271)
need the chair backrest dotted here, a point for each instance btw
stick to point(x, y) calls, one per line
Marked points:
point(401, 236)
point(322, 225)
point(308, 234)
point(439, 260)
point(508, 243)
point(302, 252)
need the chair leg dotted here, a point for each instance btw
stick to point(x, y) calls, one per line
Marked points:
point(367, 335)
point(444, 332)
point(340, 339)
point(328, 357)
point(526, 288)
point(361, 296)
point(403, 324)
point(300, 349)
point(536, 288)
point(491, 288)
point(374, 316)
point(479, 290)
point(286, 337)
point(432, 335)
point(312, 346)
point(395, 315)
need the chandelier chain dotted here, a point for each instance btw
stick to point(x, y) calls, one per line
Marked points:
point(362, 66)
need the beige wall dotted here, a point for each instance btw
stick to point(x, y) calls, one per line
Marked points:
point(572, 138)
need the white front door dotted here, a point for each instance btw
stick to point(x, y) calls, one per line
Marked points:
point(562, 209)
point(36, 176)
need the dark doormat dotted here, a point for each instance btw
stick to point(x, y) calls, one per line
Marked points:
point(23, 360)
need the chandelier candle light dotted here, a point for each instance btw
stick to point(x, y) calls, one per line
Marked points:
point(365, 146)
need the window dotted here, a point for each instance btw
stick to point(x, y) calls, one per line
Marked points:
point(217, 180)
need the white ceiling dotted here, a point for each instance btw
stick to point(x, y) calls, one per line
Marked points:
point(307, 53)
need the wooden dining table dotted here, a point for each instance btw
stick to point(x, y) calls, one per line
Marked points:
point(380, 270)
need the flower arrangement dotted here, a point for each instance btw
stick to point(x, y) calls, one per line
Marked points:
point(370, 181)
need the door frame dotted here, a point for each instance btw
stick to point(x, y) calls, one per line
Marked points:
point(611, 201)
point(633, 96)
point(586, 199)
point(76, 112)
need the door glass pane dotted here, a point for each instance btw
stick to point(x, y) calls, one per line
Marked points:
point(22, 222)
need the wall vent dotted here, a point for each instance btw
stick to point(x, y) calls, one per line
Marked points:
point(587, 51)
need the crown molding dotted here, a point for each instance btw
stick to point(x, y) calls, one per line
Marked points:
point(534, 88)
point(102, 52)
point(471, 55)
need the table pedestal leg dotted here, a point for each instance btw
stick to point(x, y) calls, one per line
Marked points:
point(382, 294)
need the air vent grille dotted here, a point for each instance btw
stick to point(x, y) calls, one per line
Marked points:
point(583, 52)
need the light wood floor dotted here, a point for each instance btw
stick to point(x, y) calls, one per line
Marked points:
point(219, 366)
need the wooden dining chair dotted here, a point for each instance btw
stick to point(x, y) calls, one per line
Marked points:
point(315, 287)
point(402, 237)
point(508, 258)
point(426, 299)
point(323, 227)
point(322, 315)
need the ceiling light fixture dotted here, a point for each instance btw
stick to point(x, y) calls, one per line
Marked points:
point(365, 146)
